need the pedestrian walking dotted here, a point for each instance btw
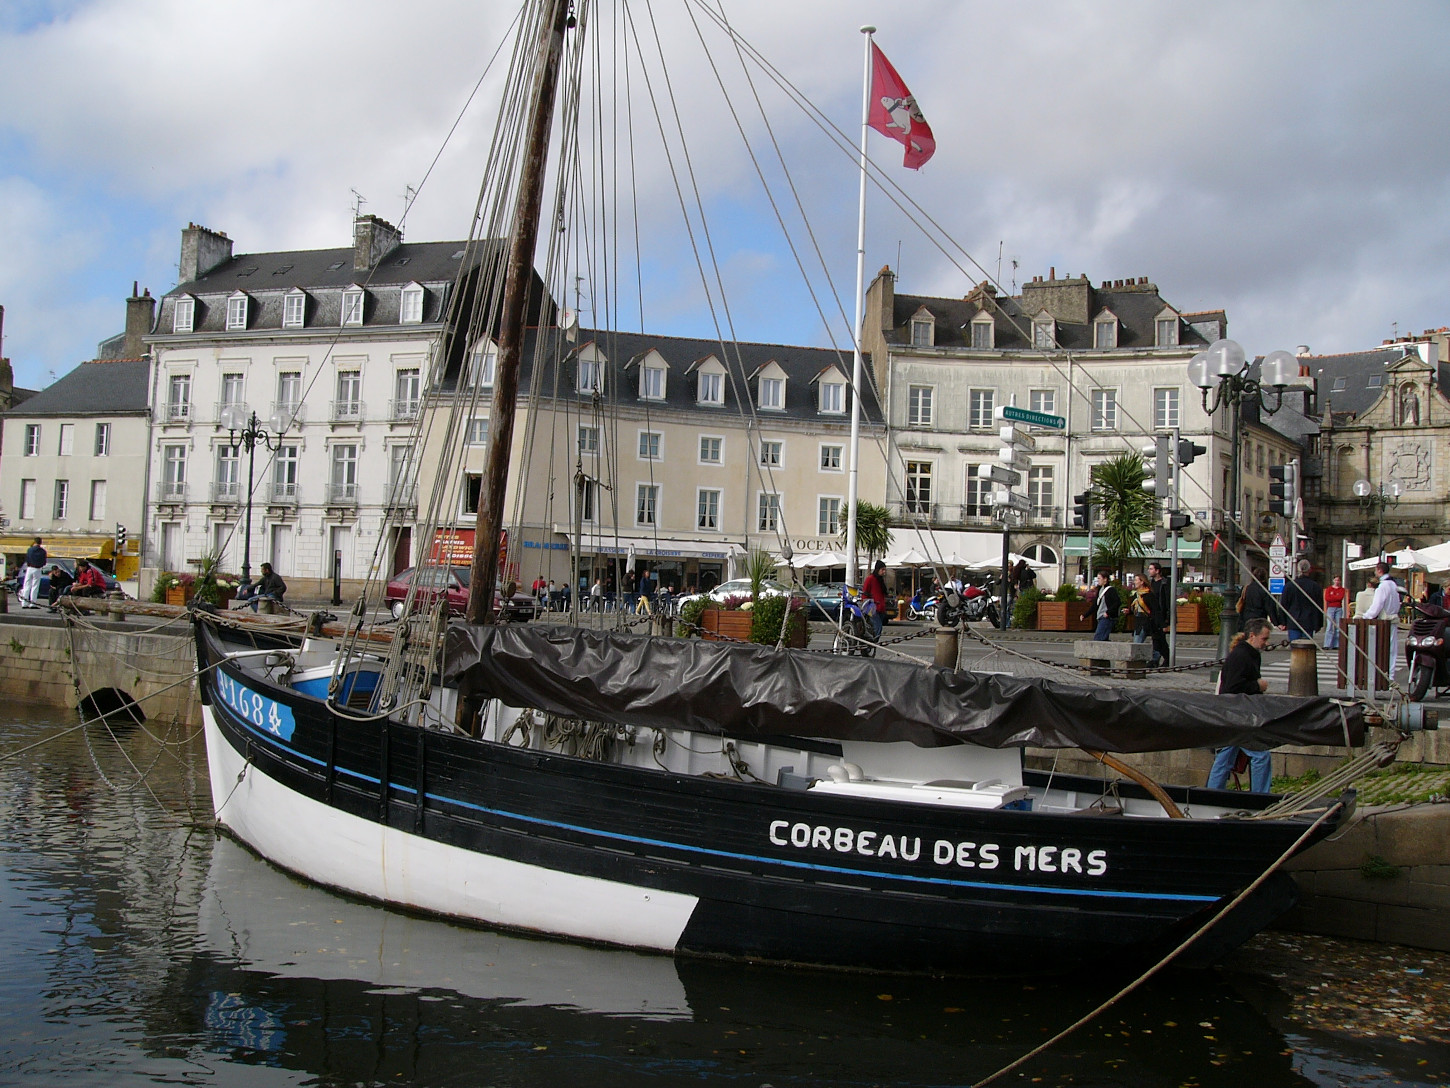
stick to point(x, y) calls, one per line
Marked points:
point(1106, 607)
point(1333, 612)
point(1386, 606)
point(35, 557)
point(1241, 676)
point(1303, 605)
point(1165, 594)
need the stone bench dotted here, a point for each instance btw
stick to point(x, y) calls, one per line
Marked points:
point(1104, 657)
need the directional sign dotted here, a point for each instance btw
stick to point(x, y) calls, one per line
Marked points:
point(1014, 458)
point(1011, 500)
point(1022, 415)
point(999, 474)
point(1276, 585)
point(1016, 436)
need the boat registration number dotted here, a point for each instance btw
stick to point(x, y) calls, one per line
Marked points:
point(266, 714)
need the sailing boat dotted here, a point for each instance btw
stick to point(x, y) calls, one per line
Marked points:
point(716, 799)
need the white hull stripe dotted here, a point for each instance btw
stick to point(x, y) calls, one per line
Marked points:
point(840, 870)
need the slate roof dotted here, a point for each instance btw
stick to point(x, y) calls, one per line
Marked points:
point(741, 360)
point(96, 388)
point(1352, 382)
point(1136, 305)
point(323, 273)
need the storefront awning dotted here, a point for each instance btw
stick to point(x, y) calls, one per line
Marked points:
point(659, 547)
point(1077, 545)
point(61, 545)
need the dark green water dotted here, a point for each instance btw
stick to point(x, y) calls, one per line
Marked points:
point(137, 946)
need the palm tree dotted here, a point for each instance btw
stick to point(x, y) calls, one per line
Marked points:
point(1127, 510)
point(873, 528)
point(759, 566)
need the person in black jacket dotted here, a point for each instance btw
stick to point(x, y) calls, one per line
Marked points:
point(1240, 676)
point(1257, 603)
point(1165, 593)
point(1107, 605)
point(1303, 605)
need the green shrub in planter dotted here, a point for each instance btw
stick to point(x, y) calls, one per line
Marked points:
point(688, 621)
point(1024, 612)
point(766, 616)
point(1068, 591)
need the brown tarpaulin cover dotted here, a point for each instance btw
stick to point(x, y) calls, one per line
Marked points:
point(747, 690)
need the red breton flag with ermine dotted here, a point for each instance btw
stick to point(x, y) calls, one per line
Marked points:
point(894, 112)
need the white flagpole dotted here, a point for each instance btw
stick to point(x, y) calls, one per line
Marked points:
point(852, 485)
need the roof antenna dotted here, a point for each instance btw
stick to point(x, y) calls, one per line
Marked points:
point(1014, 275)
point(410, 194)
point(358, 201)
point(998, 280)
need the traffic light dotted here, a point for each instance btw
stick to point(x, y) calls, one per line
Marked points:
point(1156, 461)
point(1187, 451)
point(1082, 510)
point(120, 538)
point(1284, 488)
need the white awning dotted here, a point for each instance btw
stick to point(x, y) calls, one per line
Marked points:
point(652, 547)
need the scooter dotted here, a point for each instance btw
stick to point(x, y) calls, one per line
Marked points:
point(856, 633)
point(921, 607)
point(1427, 651)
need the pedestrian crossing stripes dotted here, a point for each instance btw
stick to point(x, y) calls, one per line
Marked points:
point(1275, 669)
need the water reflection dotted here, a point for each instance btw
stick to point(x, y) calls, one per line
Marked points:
point(140, 946)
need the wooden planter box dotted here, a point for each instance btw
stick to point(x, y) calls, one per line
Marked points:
point(717, 625)
point(1064, 616)
point(178, 595)
point(1193, 620)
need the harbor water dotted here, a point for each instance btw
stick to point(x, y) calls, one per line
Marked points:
point(137, 945)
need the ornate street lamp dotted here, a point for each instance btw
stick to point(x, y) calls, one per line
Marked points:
point(246, 430)
point(1376, 498)
point(1221, 373)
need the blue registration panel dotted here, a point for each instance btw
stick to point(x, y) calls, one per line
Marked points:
point(256, 709)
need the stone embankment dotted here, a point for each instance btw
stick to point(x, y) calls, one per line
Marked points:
point(1385, 878)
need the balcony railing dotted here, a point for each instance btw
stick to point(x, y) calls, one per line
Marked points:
point(348, 411)
point(171, 491)
point(342, 494)
point(177, 411)
point(405, 409)
point(294, 414)
point(402, 497)
point(226, 491)
point(282, 494)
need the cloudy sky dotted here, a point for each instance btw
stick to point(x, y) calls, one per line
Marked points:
point(1284, 161)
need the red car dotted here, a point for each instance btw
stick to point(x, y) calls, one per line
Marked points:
point(434, 581)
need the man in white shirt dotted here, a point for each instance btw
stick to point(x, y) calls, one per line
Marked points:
point(1386, 606)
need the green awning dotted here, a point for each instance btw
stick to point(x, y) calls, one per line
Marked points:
point(1077, 546)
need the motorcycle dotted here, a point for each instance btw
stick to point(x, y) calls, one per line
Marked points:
point(1427, 651)
point(953, 607)
point(855, 633)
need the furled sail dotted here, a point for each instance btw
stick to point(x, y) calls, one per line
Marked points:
point(747, 690)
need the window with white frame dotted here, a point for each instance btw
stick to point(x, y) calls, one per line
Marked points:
point(918, 406)
point(103, 440)
point(707, 509)
point(32, 440)
point(771, 452)
point(402, 475)
point(711, 387)
point(589, 440)
point(712, 448)
point(342, 487)
point(227, 486)
point(410, 306)
point(978, 493)
point(352, 306)
point(1044, 332)
point(652, 382)
point(1039, 490)
point(1105, 333)
point(178, 397)
point(828, 515)
point(1105, 410)
point(98, 500)
point(183, 315)
point(478, 432)
point(833, 397)
point(348, 404)
point(772, 393)
point(284, 474)
point(1165, 409)
point(27, 500)
point(408, 392)
point(472, 493)
point(918, 487)
point(591, 376)
point(831, 458)
point(649, 445)
point(173, 473)
point(1043, 400)
point(485, 364)
point(237, 311)
point(67, 442)
point(294, 310)
point(981, 402)
point(983, 333)
point(646, 504)
point(1167, 331)
point(923, 332)
point(233, 389)
point(289, 391)
point(767, 512)
point(62, 499)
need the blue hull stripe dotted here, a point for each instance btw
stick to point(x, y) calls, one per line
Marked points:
point(639, 840)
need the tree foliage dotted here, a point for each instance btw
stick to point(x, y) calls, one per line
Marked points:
point(873, 529)
point(1127, 510)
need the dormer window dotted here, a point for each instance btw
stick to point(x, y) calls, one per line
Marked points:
point(1044, 331)
point(711, 387)
point(410, 306)
point(237, 311)
point(833, 397)
point(923, 329)
point(484, 362)
point(772, 393)
point(591, 375)
point(294, 309)
point(1105, 330)
point(183, 314)
point(984, 332)
point(352, 306)
point(652, 382)
point(1165, 329)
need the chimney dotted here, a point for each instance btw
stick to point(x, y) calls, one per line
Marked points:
point(1052, 272)
point(201, 251)
point(372, 240)
point(140, 316)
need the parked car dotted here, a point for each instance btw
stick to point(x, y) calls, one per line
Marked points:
point(12, 585)
point(452, 581)
point(825, 601)
point(737, 587)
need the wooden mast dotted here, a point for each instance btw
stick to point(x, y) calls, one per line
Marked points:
point(489, 522)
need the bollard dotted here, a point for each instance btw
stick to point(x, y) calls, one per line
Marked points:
point(4, 601)
point(946, 647)
point(117, 595)
point(1303, 667)
point(902, 614)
